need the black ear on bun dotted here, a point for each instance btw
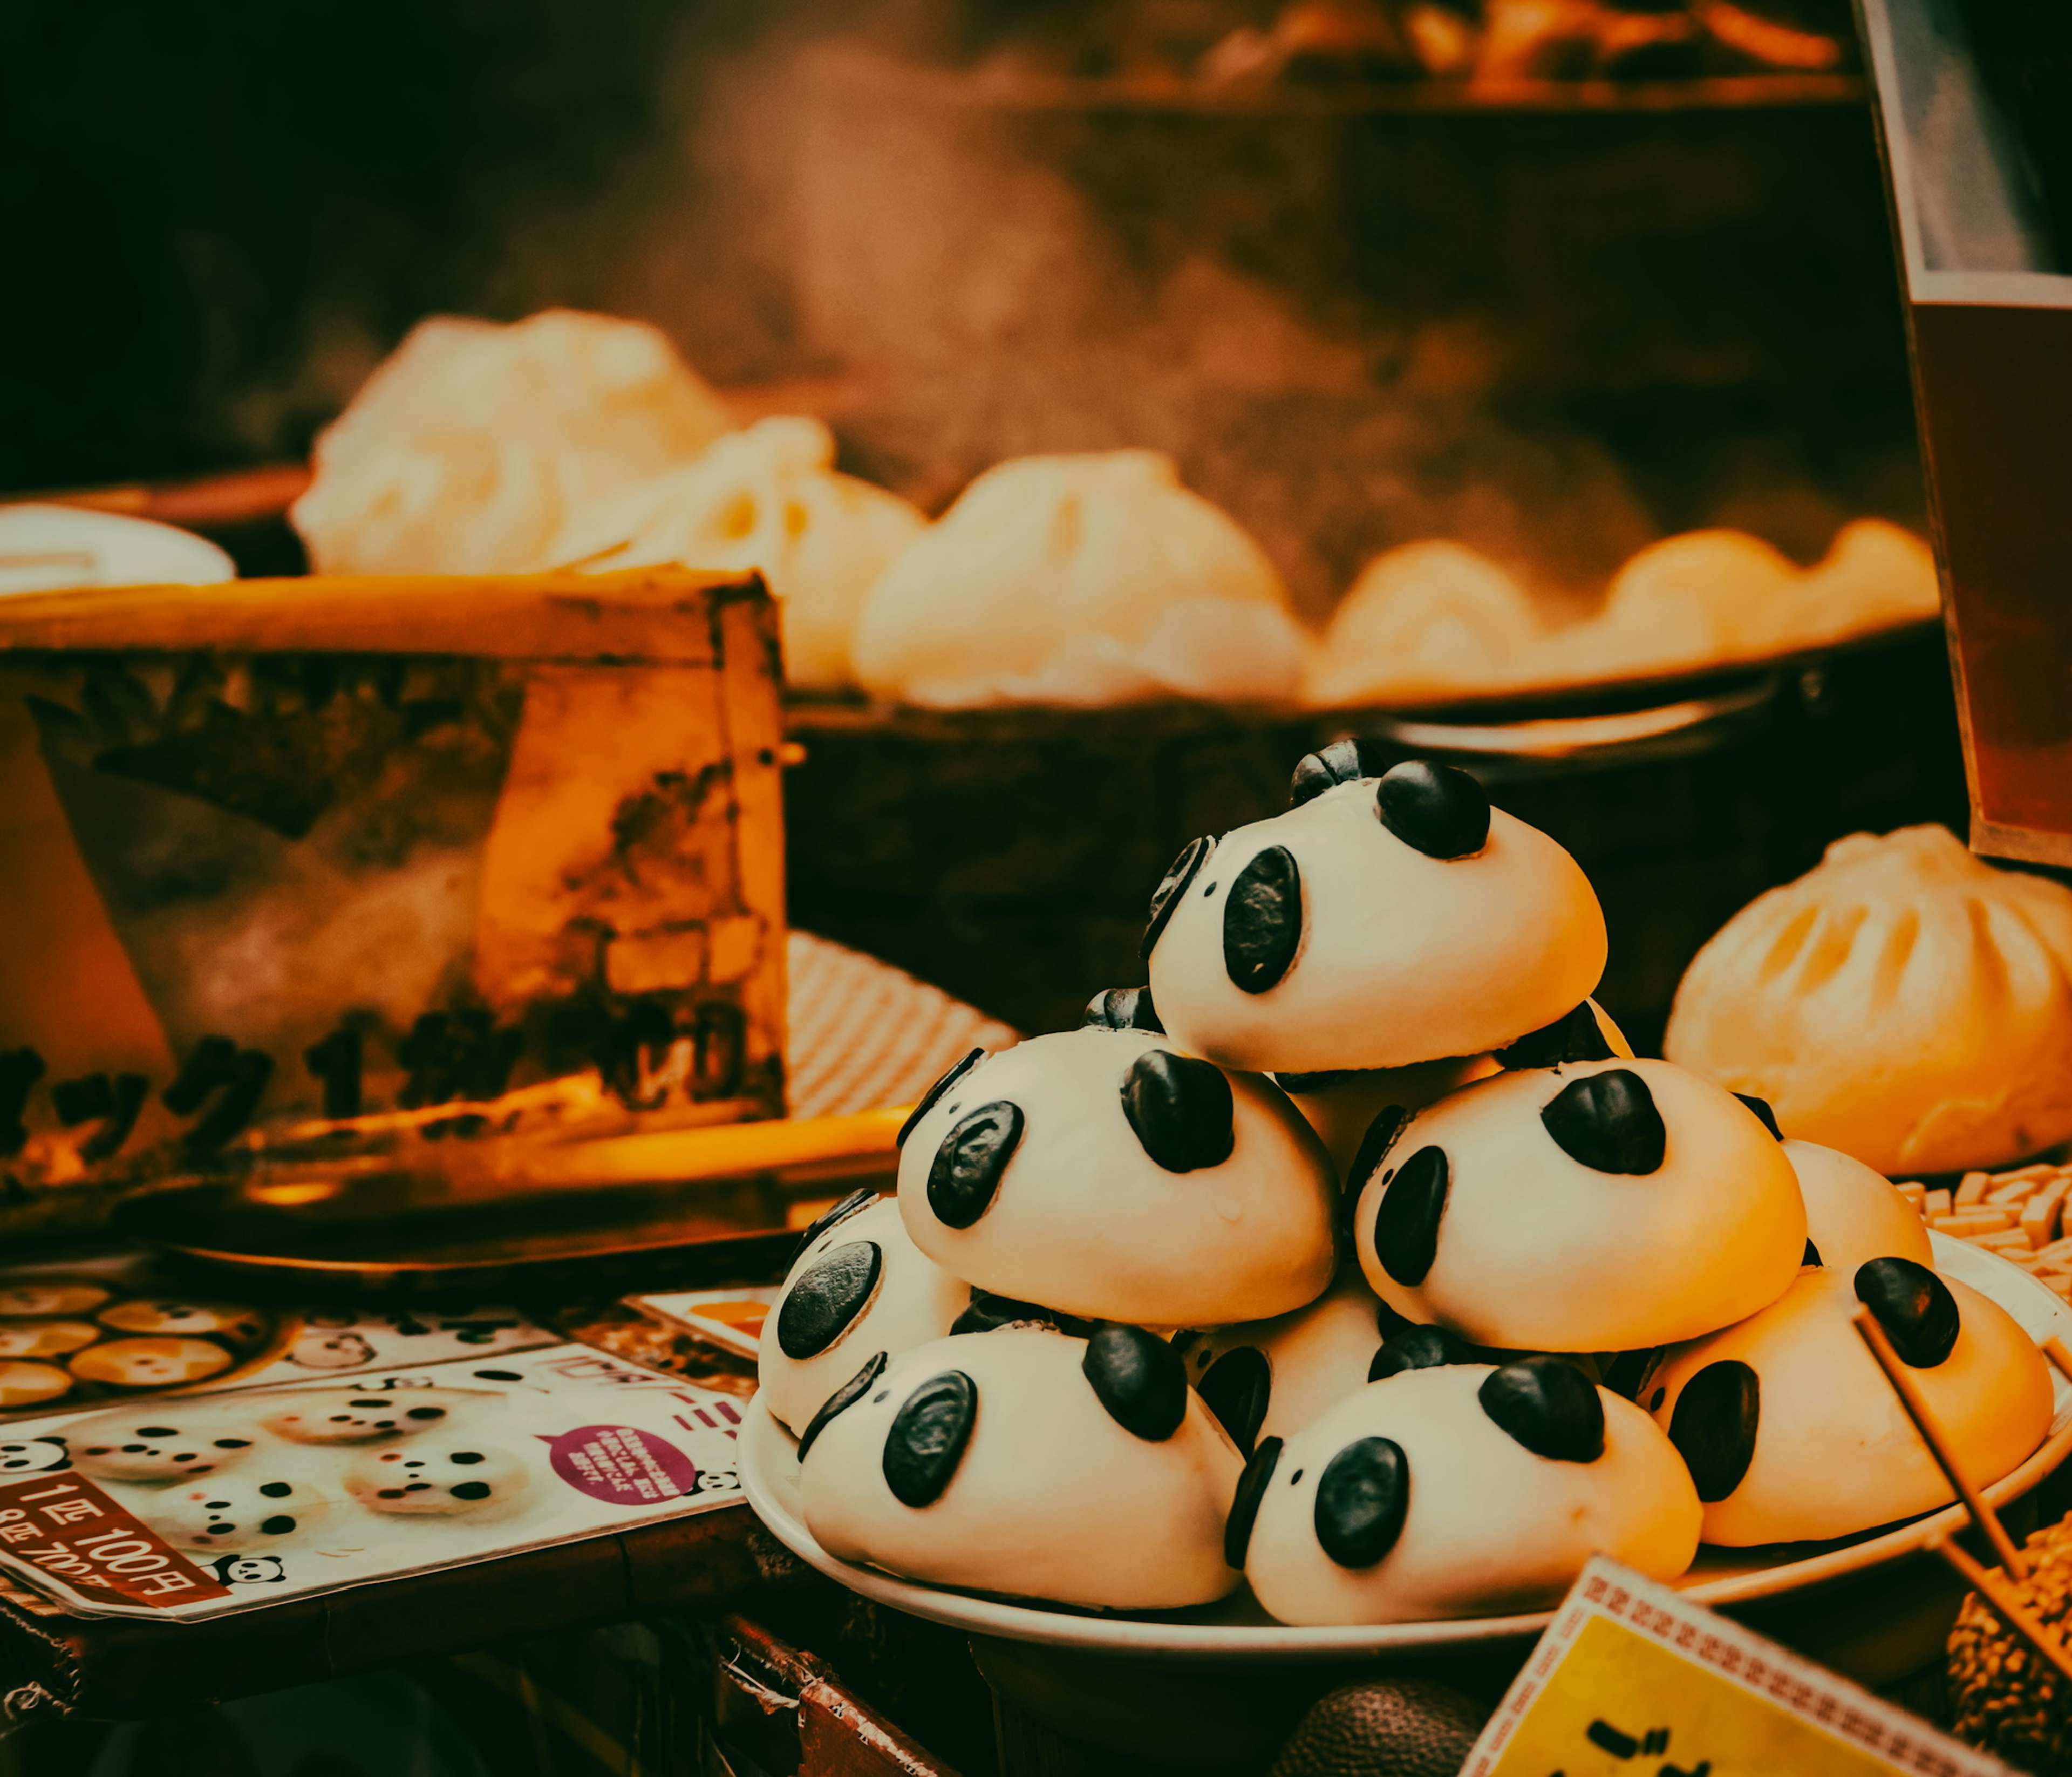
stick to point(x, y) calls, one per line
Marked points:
point(1180, 1109)
point(1575, 1035)
point(1324, 769)
point(1608, 1122)
point(1171, 886)
point(1139, 1381)
point(1123, 1008)
point(1547, 1405)
point(1437, 809)
point(1915, 1308)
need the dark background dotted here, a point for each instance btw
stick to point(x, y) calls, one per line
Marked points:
point(218, 214)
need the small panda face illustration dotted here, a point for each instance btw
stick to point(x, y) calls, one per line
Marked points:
point(1102, 1174)
point(346, 1416)
point(331, 1351)
point(151, 1362)
point(244, 1510)
point(34, 1456)
point(47, 1337)
point(46, 1300)
point(431, 1477)
point(157, 1445)
point(248, 1569)
point(967, 1461)
point(1458, 1490)
point(25, 1382)
point(1382, 921)
point(185, 1320)
point(1501, 1211)
point(859, 1285)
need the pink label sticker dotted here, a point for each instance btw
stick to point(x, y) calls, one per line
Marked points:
point(621, 1465)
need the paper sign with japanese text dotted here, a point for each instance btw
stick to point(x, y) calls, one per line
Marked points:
point(1634, 1679)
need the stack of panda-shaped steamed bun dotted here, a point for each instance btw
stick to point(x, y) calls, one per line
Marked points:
point(1357, 1257)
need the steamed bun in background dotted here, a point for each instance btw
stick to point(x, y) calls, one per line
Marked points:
point(468, 449)
point(1873, 574)
point(1424, 620)
point(1432, 620)
point(765, 498)
point(1902, 1002)
point(1084, 579)
point(1686, 600)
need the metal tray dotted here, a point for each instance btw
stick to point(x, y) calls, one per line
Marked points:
point(635, 1209)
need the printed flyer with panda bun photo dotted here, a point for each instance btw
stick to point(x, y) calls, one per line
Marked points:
point(113, 1328)
point(218, 1501)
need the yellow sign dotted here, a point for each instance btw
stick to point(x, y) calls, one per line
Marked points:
point(1633, 1680)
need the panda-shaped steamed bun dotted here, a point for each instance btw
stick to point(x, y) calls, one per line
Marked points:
point(1342, 1106)
point(1792, 1433)
point(1270, 1378)
point(859, 1285)
point(1101, 1173)
point(1031, 1464)
point(1853, 1214)
point(1600, 1206)
point(1459, 1489)
point(1378, 923)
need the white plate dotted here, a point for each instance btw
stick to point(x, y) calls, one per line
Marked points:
point(51, 548)
point(1237, 1628)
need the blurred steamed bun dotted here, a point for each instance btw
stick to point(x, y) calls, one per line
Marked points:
point(1087, 579)
point(1425, 619)
point(765, 498)
point(1436, 619)
point(1902, 1002)
point(1873, 574)
point(1699, 597)
point(467, 449)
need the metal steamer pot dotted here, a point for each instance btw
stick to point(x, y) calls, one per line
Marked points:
point(1007, 855)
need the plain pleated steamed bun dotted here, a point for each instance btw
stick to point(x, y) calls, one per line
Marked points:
point(1425, 619)
point(468, 448)
point(1902, 1002)
point(767, 498)
point(1088, 579)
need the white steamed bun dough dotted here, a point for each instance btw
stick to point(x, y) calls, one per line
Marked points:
point(1792, 1432)
point(1902, 1002)
point(859, 1285)
point(1101, 1173)
point(1027, 1462)
point(472, 443)
point(1380, 922)
point(768, 498)
point(1095, 578)
point(1604, 1205)
point(1341, 1107)
point(1459, 1489)
point(1270, 1378)
point(1853, 1214)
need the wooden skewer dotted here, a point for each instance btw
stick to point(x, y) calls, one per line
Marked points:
point(2054, 1350)
point(1918, 1410)
point(2000, 1598)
